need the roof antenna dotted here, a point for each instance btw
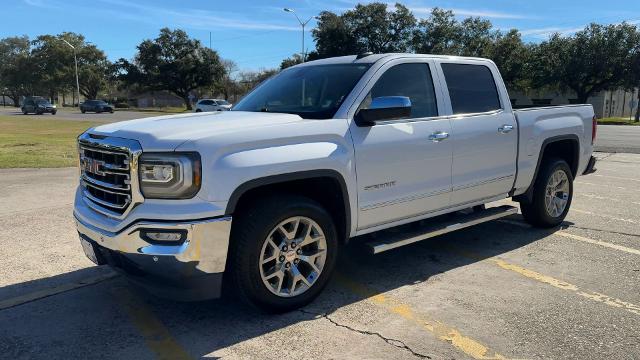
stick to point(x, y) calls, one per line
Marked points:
point(360, 56)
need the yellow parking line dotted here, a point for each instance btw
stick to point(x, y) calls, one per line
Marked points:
point(469, 346)
point(40, 294)
point(605, 216)
point(560, 284)
point(155, 334)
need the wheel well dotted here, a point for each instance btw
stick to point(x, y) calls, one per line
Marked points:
point(328, 191)
point(566, 150)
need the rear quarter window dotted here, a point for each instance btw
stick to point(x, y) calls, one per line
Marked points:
point(472, 88)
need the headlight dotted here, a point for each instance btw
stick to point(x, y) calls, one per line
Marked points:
point(170, 175)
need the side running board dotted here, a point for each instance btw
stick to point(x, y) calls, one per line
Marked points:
point(387, 240)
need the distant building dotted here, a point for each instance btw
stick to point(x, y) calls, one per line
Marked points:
point(614, 103)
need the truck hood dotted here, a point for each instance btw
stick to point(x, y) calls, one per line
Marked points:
point(166, 133)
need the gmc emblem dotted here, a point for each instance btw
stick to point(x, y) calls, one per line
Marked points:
point(92, 166)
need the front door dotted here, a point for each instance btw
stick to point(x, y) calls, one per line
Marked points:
point(402, 169)
point(484, 130)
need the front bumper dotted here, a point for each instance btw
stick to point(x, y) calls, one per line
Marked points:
point(188, 271)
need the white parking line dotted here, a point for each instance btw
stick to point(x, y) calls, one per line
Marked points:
point(601, 185)
point(593, 196)
point(579, 238)
point(40, 294)
point(605, 216)
point(616, 177)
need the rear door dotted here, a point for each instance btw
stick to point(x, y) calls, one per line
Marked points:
point(401, 171)
point(484, 130)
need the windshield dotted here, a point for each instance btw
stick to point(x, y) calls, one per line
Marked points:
point(43, 102)
point(313, 92)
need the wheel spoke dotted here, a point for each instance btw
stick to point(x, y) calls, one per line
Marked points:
point(310, 240)
point(295, 278)
point(290, 235)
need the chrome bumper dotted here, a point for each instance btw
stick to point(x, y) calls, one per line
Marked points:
point(177, 271)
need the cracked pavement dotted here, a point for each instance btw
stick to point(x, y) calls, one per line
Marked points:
point(500, 289)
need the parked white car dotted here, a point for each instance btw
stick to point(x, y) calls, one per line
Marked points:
point(323, 153)
point(204, 105)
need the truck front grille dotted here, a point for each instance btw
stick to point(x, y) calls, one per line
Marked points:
point(108, 174)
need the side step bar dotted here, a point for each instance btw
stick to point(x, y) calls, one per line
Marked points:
point(391, 239)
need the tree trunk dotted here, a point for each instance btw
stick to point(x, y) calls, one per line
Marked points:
point(637, 119)
point(16, 99)
point(187, 101)
point(582, 98)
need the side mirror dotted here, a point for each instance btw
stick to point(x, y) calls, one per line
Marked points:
point(384, 108)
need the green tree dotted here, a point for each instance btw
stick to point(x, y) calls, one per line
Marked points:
point(440, 33)
point(173, 62)
point(369, 27)
point(512, 57)
point(291, 61)
point(57, 65)
point(476, 37)
point(594, 59)
point(17, 68)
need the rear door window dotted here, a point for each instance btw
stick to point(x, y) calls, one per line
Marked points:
point(472, 88)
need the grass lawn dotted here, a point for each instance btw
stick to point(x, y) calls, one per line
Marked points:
point(34, 143)
point(617, 121)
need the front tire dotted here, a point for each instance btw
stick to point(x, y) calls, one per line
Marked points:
point(283, 252)
point(552, 195)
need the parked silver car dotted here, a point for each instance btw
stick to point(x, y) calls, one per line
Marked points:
point(205, 105)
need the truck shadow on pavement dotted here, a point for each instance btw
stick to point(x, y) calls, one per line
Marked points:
point(115, 320)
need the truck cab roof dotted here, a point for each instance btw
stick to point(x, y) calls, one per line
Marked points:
point(373, 58)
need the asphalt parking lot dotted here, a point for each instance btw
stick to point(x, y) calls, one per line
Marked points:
point(498, 290)
point(75, 114)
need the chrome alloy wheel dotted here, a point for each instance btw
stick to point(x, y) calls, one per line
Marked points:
point(293, 256)
point(557, 193)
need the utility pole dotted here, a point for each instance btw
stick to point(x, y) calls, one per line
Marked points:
point(303, 24)
point(75, 59)
point(210, 42)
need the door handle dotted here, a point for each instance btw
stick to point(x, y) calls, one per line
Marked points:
point(438, 136)
point(505, 128)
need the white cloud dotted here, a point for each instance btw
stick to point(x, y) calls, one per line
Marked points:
point(472, 12)
point(546, 32)
point(190, 18)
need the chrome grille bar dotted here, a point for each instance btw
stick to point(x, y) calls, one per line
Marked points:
point(108, 174)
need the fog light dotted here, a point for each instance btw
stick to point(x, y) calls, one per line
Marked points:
point(164, 236)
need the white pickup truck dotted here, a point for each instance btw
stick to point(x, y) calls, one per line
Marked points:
point(265, 195)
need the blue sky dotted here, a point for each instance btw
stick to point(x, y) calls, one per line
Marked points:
point(259, 34)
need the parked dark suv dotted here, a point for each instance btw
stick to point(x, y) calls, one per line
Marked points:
point(38, 105)
point(97, 106)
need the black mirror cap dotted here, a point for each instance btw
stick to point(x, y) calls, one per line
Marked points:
point(369, 117)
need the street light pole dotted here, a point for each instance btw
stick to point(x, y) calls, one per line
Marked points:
point(303, 24)
point(75, 59)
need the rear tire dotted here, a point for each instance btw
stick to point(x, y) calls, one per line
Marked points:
point(83, 111)
point(552, 195)
point(198, 110)
point(288, 230)
point(24, 111)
